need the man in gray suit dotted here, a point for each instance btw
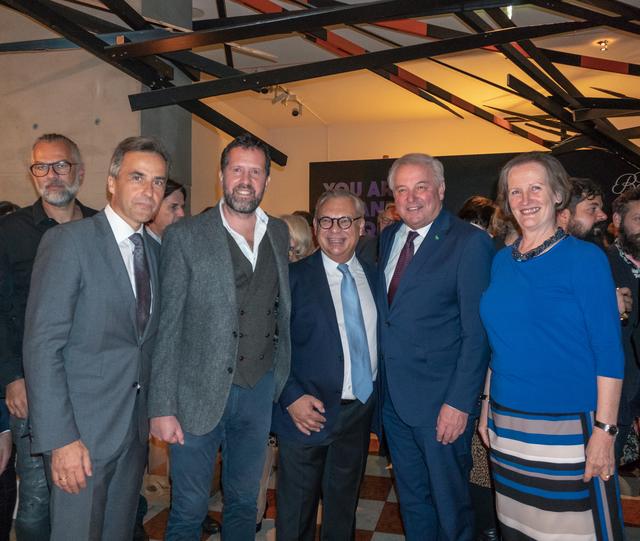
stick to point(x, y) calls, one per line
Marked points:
point(90, 327)
point(217, 366)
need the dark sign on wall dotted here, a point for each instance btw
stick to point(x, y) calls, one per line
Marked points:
point(464, 176)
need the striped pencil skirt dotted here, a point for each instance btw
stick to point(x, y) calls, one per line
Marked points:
point(537, 463)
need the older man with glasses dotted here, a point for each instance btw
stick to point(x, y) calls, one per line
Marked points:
point(325, 412)
point(57, 172)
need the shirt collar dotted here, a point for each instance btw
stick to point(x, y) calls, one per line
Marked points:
point(39, 214)
point(121, 229)
point(150, 232)
point(330, 266)
point(422, 231)
point(261, 215)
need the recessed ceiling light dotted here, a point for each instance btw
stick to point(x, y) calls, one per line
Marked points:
point(603, 44)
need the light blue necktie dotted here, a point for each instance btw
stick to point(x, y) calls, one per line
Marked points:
point(356, 335)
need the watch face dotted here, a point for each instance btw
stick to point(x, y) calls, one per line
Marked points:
point(613, 430)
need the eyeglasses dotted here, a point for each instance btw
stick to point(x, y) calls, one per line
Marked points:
point(344, 222)
point(41, 169)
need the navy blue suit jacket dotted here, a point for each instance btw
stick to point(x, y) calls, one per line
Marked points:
point(317, 362)
point(434, 349)
point(4, 416)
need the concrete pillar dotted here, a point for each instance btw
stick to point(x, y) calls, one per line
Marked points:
point(172, 124)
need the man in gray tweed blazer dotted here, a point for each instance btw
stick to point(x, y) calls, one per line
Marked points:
point(223, 350)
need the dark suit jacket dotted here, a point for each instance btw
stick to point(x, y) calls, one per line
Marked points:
point(4, 416)
point(630, 400)
point(197, 346)
point(433, 345)
point(82, 354)
point(317, 362)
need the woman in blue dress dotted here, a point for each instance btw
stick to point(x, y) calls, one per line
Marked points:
point(554, 382)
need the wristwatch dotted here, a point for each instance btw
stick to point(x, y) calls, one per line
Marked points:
point(612, 430)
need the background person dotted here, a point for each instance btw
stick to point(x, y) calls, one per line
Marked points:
point(556, 368)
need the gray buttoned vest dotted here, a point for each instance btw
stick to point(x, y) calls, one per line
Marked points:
point(256, 294)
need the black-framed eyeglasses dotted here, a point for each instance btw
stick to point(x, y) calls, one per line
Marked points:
point(41, 169)
point(344, 222)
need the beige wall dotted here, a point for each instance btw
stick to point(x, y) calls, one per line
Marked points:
point(69, 92)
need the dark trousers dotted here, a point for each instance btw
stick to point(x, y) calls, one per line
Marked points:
point(243, 433)
point(106, 509)
point(333, 470)
point(7, 498)
point(32, 519)
point(432, 479)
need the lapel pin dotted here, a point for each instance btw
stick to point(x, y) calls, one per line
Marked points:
point(437, 237)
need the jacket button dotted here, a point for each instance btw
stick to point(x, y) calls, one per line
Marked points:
point(230, 370)
point(387, 324)
point(241, 335)
point(235, 334)
point(241, 358)
point(267, 335)
point(242, 312)
point(268, 312)
point(262, 356)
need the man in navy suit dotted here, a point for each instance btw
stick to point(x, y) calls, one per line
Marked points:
point(324, 414)
point(433, 269)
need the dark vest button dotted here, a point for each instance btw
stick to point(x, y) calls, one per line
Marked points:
point(241, 358)
point(230, 370)
point(235, 334)
point(242, 312)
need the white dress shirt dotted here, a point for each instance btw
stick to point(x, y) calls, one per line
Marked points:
point(398, 242)
point(259, 232)
point(122, 231)
point(369, 313)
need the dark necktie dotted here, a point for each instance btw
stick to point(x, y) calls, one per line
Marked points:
point(361, 378)
point(406, 254)
point(143, 283)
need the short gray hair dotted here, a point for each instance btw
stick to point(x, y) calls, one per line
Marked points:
point(416, 158)
point(361, 208)
point(136, 144)
point(58, 138)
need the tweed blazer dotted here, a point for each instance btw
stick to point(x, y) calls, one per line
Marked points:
point(195, 354)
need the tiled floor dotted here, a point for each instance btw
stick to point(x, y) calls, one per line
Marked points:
point(377, 518)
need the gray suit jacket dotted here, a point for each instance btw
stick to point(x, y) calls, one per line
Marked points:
point(197, 344)
point(82, 354)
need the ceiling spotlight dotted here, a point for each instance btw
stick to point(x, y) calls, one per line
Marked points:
point(603, 44)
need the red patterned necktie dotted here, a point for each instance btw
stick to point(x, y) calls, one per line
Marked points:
point(406, 255)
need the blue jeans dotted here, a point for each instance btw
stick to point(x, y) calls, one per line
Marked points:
point(242, 432)
point(32, 520)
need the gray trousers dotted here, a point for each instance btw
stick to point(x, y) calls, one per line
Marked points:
point(106, 509)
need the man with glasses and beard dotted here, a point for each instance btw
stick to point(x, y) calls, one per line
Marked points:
point(624, 258)
point(217, 366)
point(57, 172)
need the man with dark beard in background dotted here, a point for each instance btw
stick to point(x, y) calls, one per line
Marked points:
point(585, 215)
point(624, 258)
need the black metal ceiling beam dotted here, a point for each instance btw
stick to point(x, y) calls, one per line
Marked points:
point(342, 65)
point(538, 119)
point(127, 14)
point(610, 103)
point(559, 6)
point(614, 142)
point(222, 14)
point(132, 67)
point(581, 141)
point(302, 20)
point(581, 115)
point(614, 6)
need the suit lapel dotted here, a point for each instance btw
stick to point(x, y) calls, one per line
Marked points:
point(110, 251)
point(323, 292)
point(215, 250)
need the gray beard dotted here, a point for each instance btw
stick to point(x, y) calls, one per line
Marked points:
point(243, 206)
point(61, 198)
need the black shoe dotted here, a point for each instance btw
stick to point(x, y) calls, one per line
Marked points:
point(211, 526)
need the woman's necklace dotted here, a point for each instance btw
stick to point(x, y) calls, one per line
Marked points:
point(518, 256)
